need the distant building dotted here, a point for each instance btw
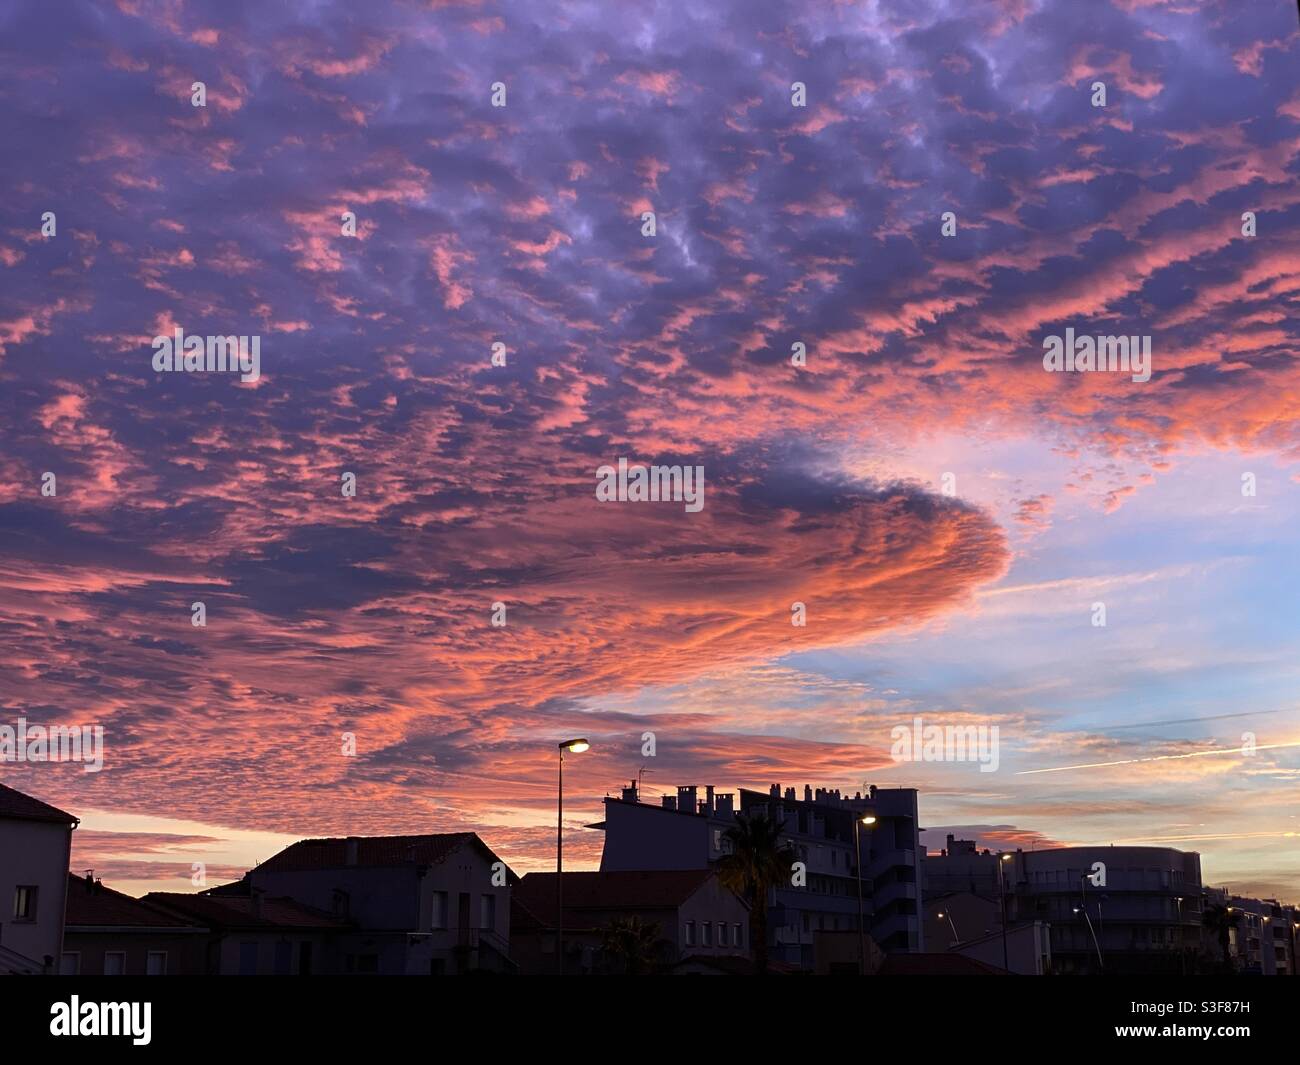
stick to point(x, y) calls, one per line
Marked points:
point(960, 866)
point(689, 832)
point(1263, 939)
point(107, 933)
point(36, 846)
point(692, 915)
point(1144, 918)
point(419, 905)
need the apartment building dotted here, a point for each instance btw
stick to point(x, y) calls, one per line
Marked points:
point(688, 831)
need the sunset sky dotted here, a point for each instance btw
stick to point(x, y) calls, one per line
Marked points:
point(776, 225)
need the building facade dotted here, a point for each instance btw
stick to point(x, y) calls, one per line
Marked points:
point(35, 852)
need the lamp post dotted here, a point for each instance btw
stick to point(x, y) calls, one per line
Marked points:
point(948, 914)
point(1002, 900)
point(1101, 965)
point(1182, 953)
point(858, 822)
point(577, 747)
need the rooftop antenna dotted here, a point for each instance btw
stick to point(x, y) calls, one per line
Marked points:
point(640, 773)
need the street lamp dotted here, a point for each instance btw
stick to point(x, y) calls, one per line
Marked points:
point(1101, 965)
point(956, 938)
point(858, 822)
point(1002, 899)
point(576, 747)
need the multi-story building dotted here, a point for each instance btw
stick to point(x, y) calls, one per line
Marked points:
point(689, 832)
point(1263, 936)
point(35, 852)
point(1113, 909)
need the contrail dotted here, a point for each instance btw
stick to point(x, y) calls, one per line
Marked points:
point(1156, 758)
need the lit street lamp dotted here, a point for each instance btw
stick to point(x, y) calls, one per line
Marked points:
point(576, 747)
point(858, 822)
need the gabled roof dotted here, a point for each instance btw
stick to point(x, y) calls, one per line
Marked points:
point(253, 913)
point(17, 806)
point(373, 851)
point(664, 889)
point(92, 905)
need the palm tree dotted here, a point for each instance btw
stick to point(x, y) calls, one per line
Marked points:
point(1221, 920)
point(632, 945)
point(758, 862)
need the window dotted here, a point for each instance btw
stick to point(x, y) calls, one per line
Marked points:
point(114, 963)
point(737, 935)
point(156, 963)
point(717, 839)
point(283, 957)
point(722, 933)
point(706, 940)
point(690, 933)
point(439, 909)
point(341, 903)
point(25, 902)
point(70, 963)
point(488, 912)
point(248, 959)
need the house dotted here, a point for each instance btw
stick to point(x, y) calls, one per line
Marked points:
point(416, 905)
point(107, 933)
point(689, 910)
point(36, 845)
point(253, 935)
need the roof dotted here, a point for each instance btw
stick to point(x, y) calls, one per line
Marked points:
point(92, 905)
point(17, 806)
point(372, 851)
point(663, 889)
point(936, 965)
point(247, 912)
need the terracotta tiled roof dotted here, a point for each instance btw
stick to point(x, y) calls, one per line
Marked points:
point(223, 911)
point(371, 851)
point(18, 806)
point(625, 891)
point(91, 904)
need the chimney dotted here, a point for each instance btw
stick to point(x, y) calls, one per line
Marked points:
point(686, 800)
point(669, 802)
point(723, 805)
point(776, 791)
point(873, 791)
point(351, 850)
point(808, 793)
point(708, 799)
point(629, 793)
point(789, 795)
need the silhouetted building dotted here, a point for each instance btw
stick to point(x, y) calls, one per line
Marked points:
point(1144, 918)
point(419, 905)
point(685, 914)
point(253, 935)
point(688, 831)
